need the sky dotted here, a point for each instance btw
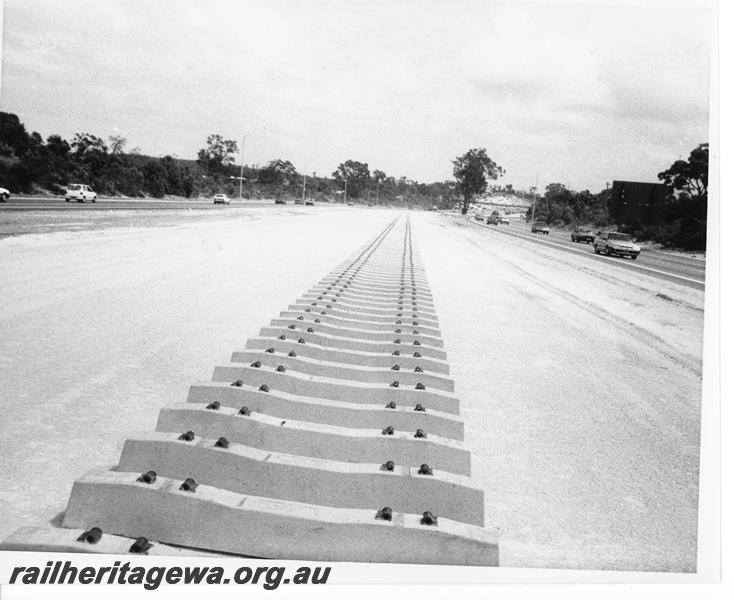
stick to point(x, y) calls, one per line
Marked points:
point(580, 93)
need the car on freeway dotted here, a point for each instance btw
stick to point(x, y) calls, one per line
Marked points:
point(493, 220)
point(540, 228)
point(80, 192)
point(582, 234)
point(4, 194)
point(280, 200)
point(309, 201)
point(478, 217)
point(614, 243)
point(504, 220)
point(221, 199)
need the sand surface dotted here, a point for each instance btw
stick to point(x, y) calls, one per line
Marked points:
point(579, 381)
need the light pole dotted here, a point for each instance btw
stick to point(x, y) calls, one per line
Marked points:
point(242, 160)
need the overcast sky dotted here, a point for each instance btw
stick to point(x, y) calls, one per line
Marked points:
point(581, 93)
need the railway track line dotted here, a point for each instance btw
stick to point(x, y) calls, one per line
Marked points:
point(333, 435)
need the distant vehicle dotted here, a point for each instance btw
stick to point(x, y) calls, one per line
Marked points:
point(612, 242)
point(280, 201)
point(221, 199)
point(4, 194)
point(350, 203)
point(504, 220)
point(582, 234)
point(434, 208)
point(309, 201)
point(493, 220)
point(478, 217)
point(80, 193)
point(540, 228)
point(298, 201)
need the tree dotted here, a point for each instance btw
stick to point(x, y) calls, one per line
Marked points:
point(218, 154)
point(472, 170)
point(691, 176)
point(357, 177)
point(278, 172)
point(117, 144)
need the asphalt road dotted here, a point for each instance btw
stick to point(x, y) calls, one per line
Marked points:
point(683, 270)
point(58, 203)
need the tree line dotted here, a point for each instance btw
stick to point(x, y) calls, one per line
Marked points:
point(29, 163)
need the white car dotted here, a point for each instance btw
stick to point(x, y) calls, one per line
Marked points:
point(80, 193)
point(4, 194)
point(221, 199)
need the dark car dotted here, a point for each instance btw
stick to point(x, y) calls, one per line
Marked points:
point(540, 228)
point(478, 217)
point(613, 242)
point(280, 201)
point(582, 234)
point(493, 220)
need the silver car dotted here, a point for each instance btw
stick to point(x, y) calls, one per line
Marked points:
point(615, 243)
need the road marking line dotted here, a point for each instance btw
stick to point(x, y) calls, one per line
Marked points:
point(599, 256)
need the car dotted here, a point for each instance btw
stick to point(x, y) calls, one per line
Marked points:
point(540, 228)
point(309, 201)
point(280, 200)
point(582, 234)
point(615, 243)
point(221, 199)
point(493, 220)
point(504, 220)
point(478, 217)
point(80, 192)
point(4, 194)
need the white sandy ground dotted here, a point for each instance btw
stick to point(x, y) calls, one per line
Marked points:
point(580, 386)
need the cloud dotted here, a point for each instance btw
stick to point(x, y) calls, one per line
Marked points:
point(574, 92)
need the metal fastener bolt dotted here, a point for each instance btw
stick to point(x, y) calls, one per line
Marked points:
point(389, 430)
point(429, 518)
point(140, 546)
point(189, 485)
point(91, 536)
point(213, 405)
point(385, 514)
point(186, 437)
point(148, 477)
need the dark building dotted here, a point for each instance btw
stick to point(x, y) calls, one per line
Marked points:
point(637, 202)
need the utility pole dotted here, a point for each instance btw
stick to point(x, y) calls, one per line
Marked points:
point(242, 160)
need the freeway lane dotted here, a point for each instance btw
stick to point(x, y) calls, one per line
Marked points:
point(58, 203)
point(686, 271)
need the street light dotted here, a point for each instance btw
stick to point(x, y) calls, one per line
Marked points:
point(242, 161)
